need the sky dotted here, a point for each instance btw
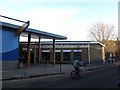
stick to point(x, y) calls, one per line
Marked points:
point(70, 18)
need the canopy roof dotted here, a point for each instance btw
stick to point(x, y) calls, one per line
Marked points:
point(34, 33)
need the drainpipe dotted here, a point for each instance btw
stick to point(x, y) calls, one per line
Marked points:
point(89, 53)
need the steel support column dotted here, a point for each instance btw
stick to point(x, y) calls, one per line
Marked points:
point(35, 53)
point(28, 59)
point(53, 52)
point(39, 50)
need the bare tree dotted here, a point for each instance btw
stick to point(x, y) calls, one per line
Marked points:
point(105, 34)
point(102, 32)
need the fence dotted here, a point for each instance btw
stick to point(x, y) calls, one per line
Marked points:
point(36, 70)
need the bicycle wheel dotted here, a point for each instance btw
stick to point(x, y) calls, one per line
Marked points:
point(74, 74)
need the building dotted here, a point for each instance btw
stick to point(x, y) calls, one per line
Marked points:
point(9, 43)
point(66, 51)
point(111, 50)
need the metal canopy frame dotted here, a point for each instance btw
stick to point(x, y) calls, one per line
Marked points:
point(35, 33)
point(32, 33)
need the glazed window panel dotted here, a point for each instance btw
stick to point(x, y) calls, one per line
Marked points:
point(46, 56)
point(66, 56)
point(77, 55)
point(57, 56)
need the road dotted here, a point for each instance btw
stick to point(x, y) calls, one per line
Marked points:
point(101, 78)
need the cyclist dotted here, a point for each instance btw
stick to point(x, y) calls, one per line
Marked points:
point(76, 65)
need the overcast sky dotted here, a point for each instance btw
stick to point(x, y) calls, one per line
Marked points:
point(70, 18)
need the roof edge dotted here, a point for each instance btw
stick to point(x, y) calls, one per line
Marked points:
point(39, 32)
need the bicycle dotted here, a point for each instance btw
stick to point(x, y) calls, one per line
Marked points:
point(74, 74)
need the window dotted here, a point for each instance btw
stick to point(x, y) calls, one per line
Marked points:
point(77, 54)
point(46, 56)
point(57, 56)
point(66, 55)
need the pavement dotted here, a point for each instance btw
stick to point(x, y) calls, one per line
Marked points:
point(46, 69)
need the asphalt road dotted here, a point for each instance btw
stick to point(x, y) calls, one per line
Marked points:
point(101, 78)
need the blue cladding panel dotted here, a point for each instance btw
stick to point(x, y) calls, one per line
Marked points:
point(12, 55)
point(10, 45)
point(0, 42)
